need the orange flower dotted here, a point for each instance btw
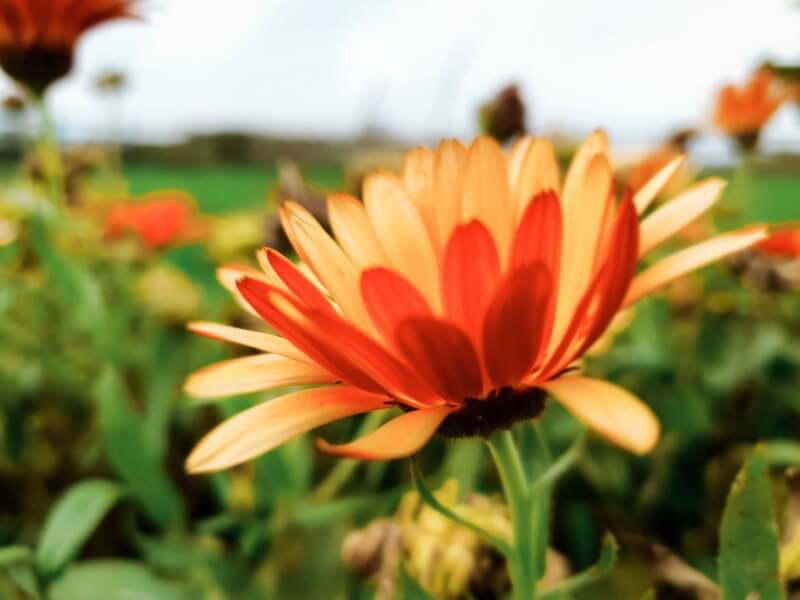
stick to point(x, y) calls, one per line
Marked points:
point(162, 218)
point(784, 243)
point(461, 292)
point(37, 37)
point(742, 112)
point(646, 168)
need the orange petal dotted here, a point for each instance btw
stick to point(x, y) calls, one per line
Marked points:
point(252, 374)
point(390, 298)
point(338, 346)
point(611, 411)
point(679, 212)
point(442, 355)
point(648, 192)
point(328, 262)
point(596, 143)
point(515, 157)
point(230, 274)
point(691, 258)
point(583, 220)
point(470, 271)
point(353, 230)
point(402, 233)
point(297, 283)
point(539, 172)
point(538, 237)
point(251, 339)
point(400, 437)
point(448, 167)
point(517, 325)
point(485, 193)
point(270, 424)
point(418, 181)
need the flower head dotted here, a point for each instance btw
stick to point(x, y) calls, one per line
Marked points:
point(38, 37)
point(461, 292)
point(743, 112)
point(159, 219)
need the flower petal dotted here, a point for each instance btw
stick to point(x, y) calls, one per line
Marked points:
point(418, 180)
point(390, 298)
point(539, 172)
point(402, 233)
point(252, 374)
point(353, 230)
point(611, 411)
point(596, 143)
point(229, 275)
point(517, 324)
point(328, 262)
point(271, 423)
point(442, 355)
point(691, 258)
point(485, 194)
point(448, 167)
point(679, 212)
point(648, 192)
point(402, 436)
point(538, 237)
point(470, 271)
point(296, 282)
point(252, 339)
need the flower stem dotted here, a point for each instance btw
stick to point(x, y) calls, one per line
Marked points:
point(50, 155)
point(523, 569)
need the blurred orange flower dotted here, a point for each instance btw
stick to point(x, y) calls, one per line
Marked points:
point(743, 112)
point(783, 243)
point(38, 37)
point(644, 170)
point(159, 219)
point(462, 292)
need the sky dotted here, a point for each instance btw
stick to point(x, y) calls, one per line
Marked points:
point(419, 69)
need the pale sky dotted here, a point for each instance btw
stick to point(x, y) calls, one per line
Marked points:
point(420, 68)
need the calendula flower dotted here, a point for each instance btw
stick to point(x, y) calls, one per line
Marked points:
point(38, 37)
point(461, 292)
point(743, 112)
point(159, 219)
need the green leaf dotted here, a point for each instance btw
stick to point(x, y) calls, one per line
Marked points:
point(114, 580)
point(126, 443)
point(604, 564)
point(429, 499)
point(749, 552)
point(15, 554)
point(408, 588)
point(71, 521)
point(17, 562)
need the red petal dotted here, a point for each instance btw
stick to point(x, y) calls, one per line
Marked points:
point(470, 272)
point(298, 283)
point(390, 298)
point(400, 437)
point(538, 237)
point(518, 324)
point(442, 354)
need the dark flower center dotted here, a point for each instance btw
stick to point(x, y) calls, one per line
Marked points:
point(499, 410)
point(36, 66)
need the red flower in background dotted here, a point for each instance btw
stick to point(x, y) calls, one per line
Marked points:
point(38, 37)
point(784, 243)
point(743, 111)
point(162, 219)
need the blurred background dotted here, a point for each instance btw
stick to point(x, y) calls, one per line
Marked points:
point(181, 133)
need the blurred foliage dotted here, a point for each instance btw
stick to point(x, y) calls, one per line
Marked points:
point(94, 427)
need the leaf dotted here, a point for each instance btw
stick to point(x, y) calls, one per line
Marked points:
point(749, 552)
point(71, 521)
point(14, 554)
point(114, 580)
point(604, 564)
point(126, 443)
point(429, 499)
point(408, 588)
point(16, 560)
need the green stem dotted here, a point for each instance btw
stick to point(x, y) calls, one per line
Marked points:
point(50, 155)
point(515, 486)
